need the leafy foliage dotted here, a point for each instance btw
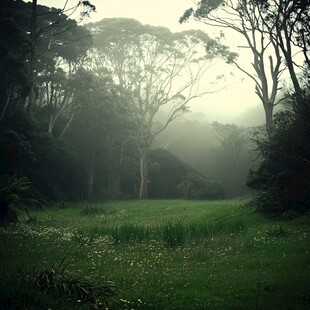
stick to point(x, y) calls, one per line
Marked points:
point(19, 191)
point(232, 159)
point(148, 63)
point(14, 50)
point(58, 282)
point(54, 156)
point(282, 178)
point(196, 186)
point(26, 151)
point(172, 178)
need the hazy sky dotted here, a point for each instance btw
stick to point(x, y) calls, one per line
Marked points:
point(223, 106)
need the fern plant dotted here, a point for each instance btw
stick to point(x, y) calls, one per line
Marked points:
point(57, 282)
point(17, 191)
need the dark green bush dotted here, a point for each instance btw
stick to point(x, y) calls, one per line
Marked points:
point(170, 177)
point(199, 187)
point(282, 179)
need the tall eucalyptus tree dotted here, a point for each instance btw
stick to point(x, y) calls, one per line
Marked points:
point(50, 30)
point(100, 131)
point(246, 18)
point(162, 70)
point(288, 22)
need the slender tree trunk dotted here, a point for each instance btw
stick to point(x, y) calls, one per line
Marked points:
point(5, 107)
point(31, 96)
point(67, 125)
point(293, 75)
point(143, 173)
point(51, 125)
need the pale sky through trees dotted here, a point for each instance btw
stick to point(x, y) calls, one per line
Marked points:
point(223, 106)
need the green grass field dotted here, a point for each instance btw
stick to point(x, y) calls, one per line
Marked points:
point(167, 254)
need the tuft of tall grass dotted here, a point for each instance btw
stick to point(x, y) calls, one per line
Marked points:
point(174, 233)
point(199, 230)
point(58, 282)
point(98, 230)
point(207, 230)
point(130, 232)
point(233, 228)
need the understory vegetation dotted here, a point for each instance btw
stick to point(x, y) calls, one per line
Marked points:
point(160, 254)
point(281, 180)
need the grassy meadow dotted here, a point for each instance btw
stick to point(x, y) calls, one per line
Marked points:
point(160, 254)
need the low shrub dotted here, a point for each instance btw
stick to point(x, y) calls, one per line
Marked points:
point(57, 282)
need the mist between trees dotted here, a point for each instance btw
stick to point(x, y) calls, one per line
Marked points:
point(93, 112)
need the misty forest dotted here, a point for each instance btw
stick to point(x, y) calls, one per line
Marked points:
point(113, 195)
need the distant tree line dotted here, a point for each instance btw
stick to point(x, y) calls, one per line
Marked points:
point(220, 152)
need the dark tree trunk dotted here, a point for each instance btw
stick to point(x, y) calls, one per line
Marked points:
point(269, 117)
point(7, 215)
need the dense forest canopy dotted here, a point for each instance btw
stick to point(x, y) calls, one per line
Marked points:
point(86, 111)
